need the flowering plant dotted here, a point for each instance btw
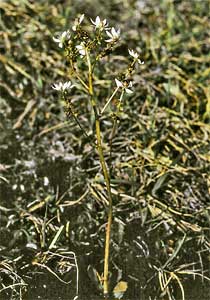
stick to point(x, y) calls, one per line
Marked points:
point(85, 48)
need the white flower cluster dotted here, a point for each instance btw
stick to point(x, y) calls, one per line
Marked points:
point(77, 22)
point(62, 87)
point(135, 55)
point(113, 37)
point(125, 86)
point(81, 49)
point(99, 24)
point(62, 38)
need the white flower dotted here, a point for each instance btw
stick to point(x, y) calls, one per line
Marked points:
point(135, 55)
point(114, 35)
point(130, 85)
point(81, 49)
point(118, 83)
point(62, 38)
point(46, 181)
point(77, 22)
point(140, 62)
point(99, 24)
point(63, 86)
point(124, 85)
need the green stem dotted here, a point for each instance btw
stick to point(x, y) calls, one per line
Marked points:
point(109, 100)
point(78, 76)
point(71, 112)
point(106, 177)
point(114, 128)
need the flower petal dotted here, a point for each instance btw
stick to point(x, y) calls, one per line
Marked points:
point(128, 91)
point(118, 83)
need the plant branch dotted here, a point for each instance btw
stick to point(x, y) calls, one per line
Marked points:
point(106, 177)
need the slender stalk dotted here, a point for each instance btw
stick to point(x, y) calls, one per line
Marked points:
point(114, 128)
point(106, 177)
point(72, 113)
point(78, 76)
point(109, 100)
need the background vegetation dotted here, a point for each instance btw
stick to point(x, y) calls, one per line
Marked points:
point(50, 177)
